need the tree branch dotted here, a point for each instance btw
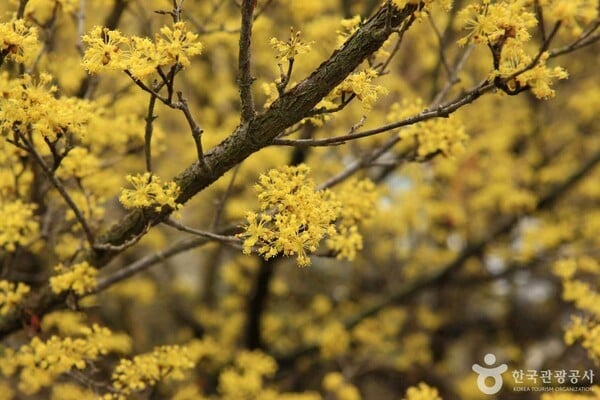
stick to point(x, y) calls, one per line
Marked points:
point(244, 76)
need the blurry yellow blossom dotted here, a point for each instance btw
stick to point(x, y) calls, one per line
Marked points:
point(11, 294)
point(65, 322)
point(335, 382)
point(146, 370)
point(422, 392)
point(574, 14)
point(78, 163)
point(334, 340)
point(40, 362)
point(290, 49)
point(18, 226)
point(19, 41)
point(358, 199)
point(79, 278)
point(70, 391)
point(149, 191)
point(245, 379)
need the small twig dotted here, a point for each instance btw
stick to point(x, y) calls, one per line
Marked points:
point(150, 117)
point(441, 52)
point(441, 111)
point(60, 187)
point(21, 9)
point(148, 261)
point(204, 234)
point(126, 244)
point(584, 40)
point(245, 79)
point(539, 13)
point(196, 130)
point(223, 200)
point(145, 88)
point(285, 77)
point(80, 26)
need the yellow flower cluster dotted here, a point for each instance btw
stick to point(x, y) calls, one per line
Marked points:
point(491, 23)
point(11, 294)
point(290, 49)
point(111, 50)
point(444, 135)
point(422, 392)
point(360, 84)
point(19, 41)
point(245, 379)
point(334, 340)
point(575, 275)
point(78, 278)
point(41, 362)
point(335, 383)
point(146, 370)
point(149, 191)
point(504, 27)
point(78, 163)
point(539, 78)
point(32, 105)
point(17, 224)
point(295, 217)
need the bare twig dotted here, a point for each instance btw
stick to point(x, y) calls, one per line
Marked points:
point(21, 9)
point(204, 234)
point(148, 261)
point(60, 188)
point(441, 111)
point(125, 245)
point(245, 78)
point(224, 197)
point(80, 26)
point(195, 128)
point(150, 117)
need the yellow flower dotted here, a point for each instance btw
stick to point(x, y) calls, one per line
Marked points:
point(105, 50)
point(149, 191)
point(19, 42)
point(360, 84)
point(176, 45)
point(422, 392)
point(11, 294)
point(290, 49)
point(298, 217)
point(79, 278)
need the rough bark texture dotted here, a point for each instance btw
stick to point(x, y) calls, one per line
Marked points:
point(247, 138)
